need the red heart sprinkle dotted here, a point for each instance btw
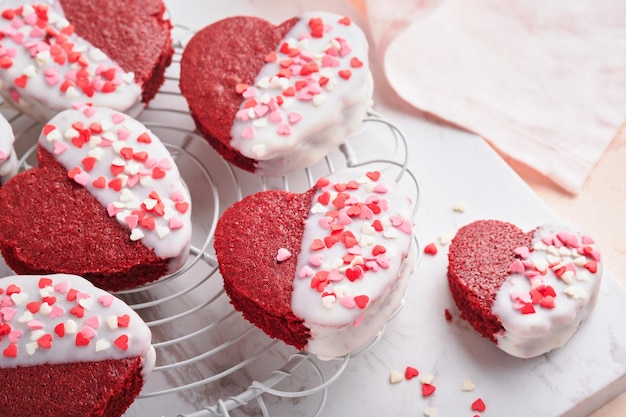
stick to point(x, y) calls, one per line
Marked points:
point(182, 207)
point(77, 311)
point(591, 266)
point(361, 301)
point(317, 245)
point(71, 294)
point(345, 74)
point(48, 128)
point(378, 225)
point(410, 372)
point(33, 306)
point(428, 389)
point(322, 182)
point(430, 249)
point(354, 273)
point(271, 57)
point(13, 289)
point(378, 249)
point(116, 169)
point(21, 81)
point(45, 341)
point(73, 172)
point(10, 351)
point(89, 162)
point(479, 405)
point(356, 62)
point(123, 321)
point(324, 198)
point(127, 153)
point(81, 340)
point(144, 138)
point(157, 173)
point(116, 184)
point(121, 342)
point(100, 182)
point(44, 282)
point(59, 329)
point(528, 309)
point(345, 21)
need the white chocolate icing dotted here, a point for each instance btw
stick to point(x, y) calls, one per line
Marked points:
point(8, 159)
point(129, 171)
point(286, 131)
point(41, 77)
point(569, 263)
point(60, 318)
point(344, 311)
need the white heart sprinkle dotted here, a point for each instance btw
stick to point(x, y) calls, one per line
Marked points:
point(102, 345)
point(468, 385)
point(395, 377)
point(136, 234)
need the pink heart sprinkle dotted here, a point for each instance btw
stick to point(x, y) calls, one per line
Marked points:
point(56, 312)
point(177, 196)
point(294, 117)
point(242, 115)
point(248, 133)
point(396, 220)
point(82, 178)
point(150, 162)
point(406, 227)
point(117, 118)
point(132, 220)
point(284, 130)
point(112, 210)
point(335, 275)
point(89, 111)
point(517, 267)
point(122, 134)
point(165, 164)
point(61, 287)
point(59, 148)
point(522, 251)
point(380, 188)
point(15, 335)
point(325, 222)
point(348, 302)
point(175, 223)
point(93, 322)
point(261, 110)
point(316, 260)
point(283, 255)
point(106, 300)
point(306, 271)
point(276, 116)
point(250, 92)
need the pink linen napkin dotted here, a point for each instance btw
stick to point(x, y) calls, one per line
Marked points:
point(543, 82)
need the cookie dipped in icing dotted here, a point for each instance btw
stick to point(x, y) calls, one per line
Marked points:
point(273, 99)
point(526, 292)
point(8, 159)
point(69, 348)
point(60, 52)
point(106, 202)
point(323, 270)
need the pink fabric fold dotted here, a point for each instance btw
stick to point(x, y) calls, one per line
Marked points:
point(543, 82)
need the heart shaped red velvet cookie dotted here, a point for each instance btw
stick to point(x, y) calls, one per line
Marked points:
point(106, 202)
point(69, 349)
point(272, 99)
point(526, 292)
point(56, 53)
point(323, 270)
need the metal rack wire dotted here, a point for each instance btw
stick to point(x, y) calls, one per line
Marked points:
point(211, 362)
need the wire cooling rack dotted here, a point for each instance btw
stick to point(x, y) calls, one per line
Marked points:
point(210, 361)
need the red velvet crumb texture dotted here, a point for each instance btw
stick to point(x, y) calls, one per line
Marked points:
point(479, 258)
point(220, 56)
point(49, 224)
point(135, 34)
point(82, 389)
point(247, 239)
